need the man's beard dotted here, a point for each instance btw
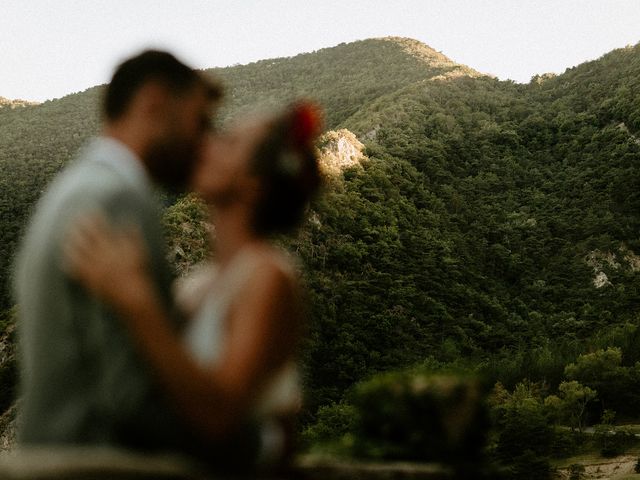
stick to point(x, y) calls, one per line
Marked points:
point(170, 163)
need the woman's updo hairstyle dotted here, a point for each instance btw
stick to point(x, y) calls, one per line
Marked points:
point(287, 165)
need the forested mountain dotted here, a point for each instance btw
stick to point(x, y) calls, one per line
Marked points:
point(35, 142)
point(344, 78)
point(485, 221)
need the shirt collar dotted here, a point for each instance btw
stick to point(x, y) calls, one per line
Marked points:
point(122, 159)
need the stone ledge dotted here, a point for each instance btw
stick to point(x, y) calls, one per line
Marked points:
point(91, 463)
point(307, 469)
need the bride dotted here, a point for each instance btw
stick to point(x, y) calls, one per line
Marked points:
point(235, 360)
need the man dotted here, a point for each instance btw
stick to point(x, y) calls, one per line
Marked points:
point(82, 380)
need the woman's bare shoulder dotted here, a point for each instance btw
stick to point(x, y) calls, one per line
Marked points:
point(274, 262)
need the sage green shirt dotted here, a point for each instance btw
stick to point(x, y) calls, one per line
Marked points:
point(82, 380)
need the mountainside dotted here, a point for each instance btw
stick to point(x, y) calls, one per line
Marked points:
point(342, 78)
point(468, 219)
point(36, 142)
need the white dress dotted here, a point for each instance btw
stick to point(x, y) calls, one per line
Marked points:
point(207, 295)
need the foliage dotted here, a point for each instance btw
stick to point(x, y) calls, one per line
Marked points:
point(603, 371)
point(491, 224)
point(529, 466)
point(523, 427)
point(343, 78)
point(188, 231)
point(413, 414)
point(333, 423)
point(570, 406)
point(567, 443)
point(8, 359)
point(612, 440)
point(36, 141)
point(419, 416)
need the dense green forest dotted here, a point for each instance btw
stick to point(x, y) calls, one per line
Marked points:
point(481, 225)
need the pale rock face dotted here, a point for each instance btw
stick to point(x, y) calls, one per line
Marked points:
point(601, 280)
point(340, 150)
point(631, 258)
point(622, 126)
point(599, 261)
point(314, 219)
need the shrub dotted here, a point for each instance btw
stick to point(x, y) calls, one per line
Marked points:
point(565, 443)
point(420, 416)
point(530, 466)
point(615, 442)
point(522, 424)
point(333, 422)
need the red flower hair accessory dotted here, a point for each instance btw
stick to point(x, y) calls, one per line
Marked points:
point(307, 123)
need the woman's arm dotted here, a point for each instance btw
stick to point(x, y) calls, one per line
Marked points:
point(264, 326)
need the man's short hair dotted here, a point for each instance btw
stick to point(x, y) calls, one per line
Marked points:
point(157, 66)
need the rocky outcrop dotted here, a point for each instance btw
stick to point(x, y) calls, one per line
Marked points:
point(340, 150)
point(601, 262)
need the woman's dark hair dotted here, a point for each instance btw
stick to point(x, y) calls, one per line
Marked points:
point(287, 165)
point(152, 65)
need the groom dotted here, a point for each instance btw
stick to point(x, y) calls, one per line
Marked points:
point(82, 380)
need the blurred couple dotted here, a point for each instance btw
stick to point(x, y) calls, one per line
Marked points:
point(113, 354)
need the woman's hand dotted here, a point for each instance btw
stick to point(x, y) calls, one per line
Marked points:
point(109, 262)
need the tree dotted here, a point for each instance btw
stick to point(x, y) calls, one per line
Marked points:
point(603, 372)
point(571, 404)
point(525, 434)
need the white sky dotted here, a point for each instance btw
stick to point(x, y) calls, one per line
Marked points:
point(49, 48)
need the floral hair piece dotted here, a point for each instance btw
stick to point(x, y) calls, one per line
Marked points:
point(306, 124)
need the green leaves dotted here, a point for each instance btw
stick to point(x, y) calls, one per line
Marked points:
point(188, 231)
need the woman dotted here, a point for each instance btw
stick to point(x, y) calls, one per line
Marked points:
point(246, 314)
